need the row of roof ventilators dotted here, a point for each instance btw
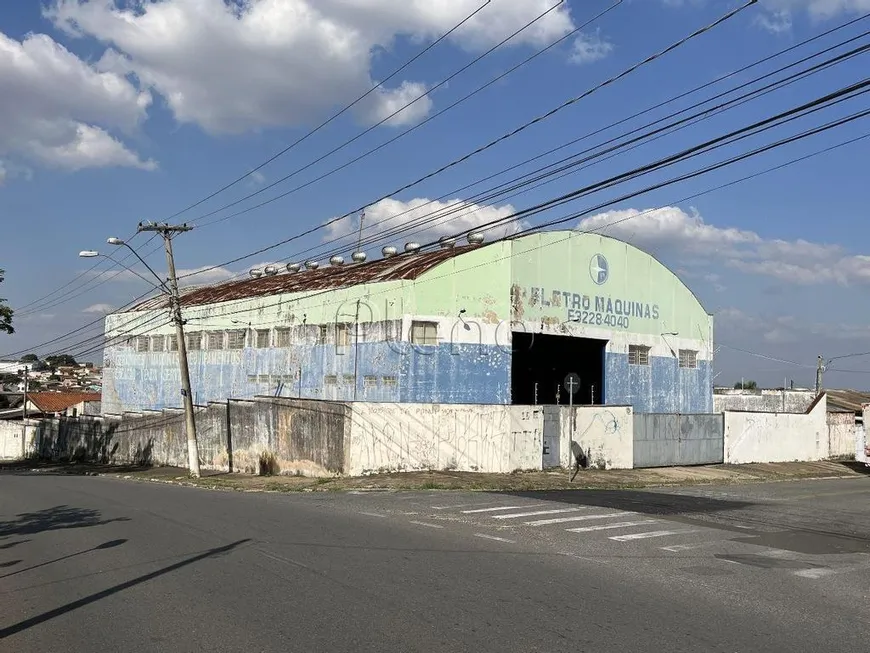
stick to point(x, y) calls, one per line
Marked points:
point(445, 242)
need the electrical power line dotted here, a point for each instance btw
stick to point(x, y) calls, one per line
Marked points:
point(338, 114)
point(495, 142)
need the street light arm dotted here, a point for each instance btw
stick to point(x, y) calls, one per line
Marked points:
point(162, 287)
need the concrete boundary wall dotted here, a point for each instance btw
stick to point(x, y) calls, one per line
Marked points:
point(17, 442)
point(602, 436)
point(752, 437)
point(476, 438)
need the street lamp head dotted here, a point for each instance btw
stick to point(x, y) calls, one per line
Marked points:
point(89, 253)
point(114, 241)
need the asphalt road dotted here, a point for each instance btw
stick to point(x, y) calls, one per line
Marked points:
point(98, 564)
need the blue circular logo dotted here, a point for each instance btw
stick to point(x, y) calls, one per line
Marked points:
point(598, 269)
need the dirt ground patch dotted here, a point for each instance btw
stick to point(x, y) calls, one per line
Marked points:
point(546, 480)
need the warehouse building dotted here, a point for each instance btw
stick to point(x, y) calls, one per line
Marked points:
point(482, 323)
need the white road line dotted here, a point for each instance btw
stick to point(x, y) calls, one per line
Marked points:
point(373, 514)
point(517, 515)
point(606, 527)
point(422, 523)
point(562, 520)
point(476, 504)
point(470, 512)
point(493, 537)
point(647, 535)
point(686, 547)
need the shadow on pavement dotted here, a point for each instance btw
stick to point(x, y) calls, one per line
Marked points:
point(33, 467)
point(111, 544)
point(49, 519)
point(97, 596)
point(653, 503)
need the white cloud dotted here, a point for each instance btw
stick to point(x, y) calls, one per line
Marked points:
point(818, 9)
point(99, 308)
point(204, 275)
point(777, 22)
point(431, 219)
point(589, 48)
point(55, 109)
point(671, 232)
point(249, 64)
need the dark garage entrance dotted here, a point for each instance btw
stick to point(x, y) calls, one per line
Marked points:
point(546, 360)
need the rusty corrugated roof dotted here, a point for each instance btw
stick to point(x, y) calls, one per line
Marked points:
point(402, 266)
point(847, 400)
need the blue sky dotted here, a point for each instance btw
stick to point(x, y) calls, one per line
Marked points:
point(111, 115)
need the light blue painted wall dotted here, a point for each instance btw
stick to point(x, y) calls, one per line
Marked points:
point(436, 374)
point(660, 387)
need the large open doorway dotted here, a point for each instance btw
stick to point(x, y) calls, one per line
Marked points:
point(540, 363)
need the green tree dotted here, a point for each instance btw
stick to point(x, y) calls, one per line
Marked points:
point(746, 385)
point(60, 360)
point(5, 313)
point(29, 358)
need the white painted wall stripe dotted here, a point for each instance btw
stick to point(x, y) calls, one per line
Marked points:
point(606, 527)
point(647, 535)
point(562, 520)
point(517, 515)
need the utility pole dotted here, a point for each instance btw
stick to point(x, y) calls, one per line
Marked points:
point(819, 370)
point(167, 232)
point(24, 418)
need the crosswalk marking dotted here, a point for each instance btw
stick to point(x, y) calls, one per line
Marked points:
point(562, 520)
point(686, 547)
point(500, 508)
point(646, 535)
point(493, 537)
point(426, 524)
point(605, 527)
point(535, 513)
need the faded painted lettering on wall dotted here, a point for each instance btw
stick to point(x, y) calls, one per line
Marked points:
point(593, 309)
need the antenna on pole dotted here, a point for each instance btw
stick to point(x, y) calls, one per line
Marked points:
point(362, 217)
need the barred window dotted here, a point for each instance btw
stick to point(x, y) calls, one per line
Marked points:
point(263, 338)
point(158, 343)
point(236, 339)
point(142, 343)
point(194, 341)
point(284, 337)
point(688, 358)
point(638, 355)
point(322, 333)
point(390, 381)
point(349, 379)
point(342, 335)
point(173, 344)
point(215, 340)
point(330, 379)
point(424, 333)
point(370, 382)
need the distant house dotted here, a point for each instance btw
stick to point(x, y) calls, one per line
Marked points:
point(56, 404)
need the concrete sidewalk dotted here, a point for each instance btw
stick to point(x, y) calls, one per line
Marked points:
point(546, 480)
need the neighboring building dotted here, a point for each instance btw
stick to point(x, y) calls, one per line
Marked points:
point(54, 404)
point(499, 323)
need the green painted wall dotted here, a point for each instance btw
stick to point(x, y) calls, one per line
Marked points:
point(552, 281)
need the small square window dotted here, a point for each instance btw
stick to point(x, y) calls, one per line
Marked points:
point(236, 339)
point(688, 359)
point(158, 343)
point(284, 337)
point(348, 379)
point(263, 338)
point(194, 341)
point(142, 343)
point(638, 355)
point(215, 340)
point(370, 382)
point(322, 334)
point(424, 333)
point(390, 381)
point(330, 379)
point(172, 343)
point(342, 335)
